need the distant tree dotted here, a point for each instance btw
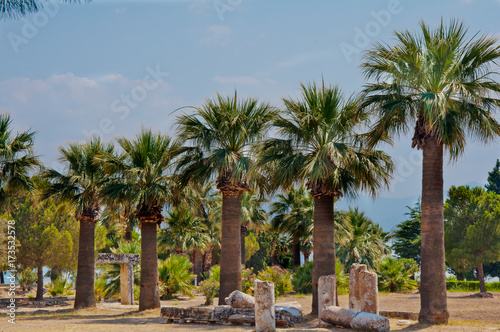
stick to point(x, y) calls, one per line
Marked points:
point(494, 179)
point(492, 269)
point(472, 230)
point(364, 243)
point(47, 235)
point(407, 235)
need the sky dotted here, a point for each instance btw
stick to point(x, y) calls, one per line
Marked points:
point(110, 67)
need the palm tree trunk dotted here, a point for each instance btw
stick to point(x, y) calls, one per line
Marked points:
point(433, 303)
point(2, 280)
point(128, 234)
point(480, 277)
point(295, 253)
point(39, 283)
point(230, 262)
point(274, 259)
point(243, 234)
point(85, 274)
point(323, 243)
point(207, 258)
point(149, 296)
point(197, 264)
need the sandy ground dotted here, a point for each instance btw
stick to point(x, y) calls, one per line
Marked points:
point(466, 314)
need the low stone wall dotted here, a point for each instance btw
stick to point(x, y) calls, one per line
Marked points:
point(225, 315)
point(23, 301)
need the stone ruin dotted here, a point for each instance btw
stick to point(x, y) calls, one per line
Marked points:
point(242, 309)
point(127, 262)
point(363, 312)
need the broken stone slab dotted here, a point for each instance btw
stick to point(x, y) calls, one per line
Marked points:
point(361, 321)
point(293, 308)
point(239, 299)
point(225, 315)
point(265, 315)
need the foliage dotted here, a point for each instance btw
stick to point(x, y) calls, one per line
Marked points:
point(247, 281)
point(407, 235)
point(302, 279)
point(394, 275)
point(213, 274)
point(210, 289)
point(262, 257)
point(494, 179)
point(251, 245)
point(364, 242)
point(281, 278)
point(26, 278)
point(175, 277)
point(17, 161)
point(492, 269)
point(471, 286)
point(60, 287)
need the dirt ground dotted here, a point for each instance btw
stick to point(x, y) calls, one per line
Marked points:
point(466, 314)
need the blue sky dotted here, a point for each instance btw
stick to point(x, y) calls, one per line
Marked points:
point(110, 67)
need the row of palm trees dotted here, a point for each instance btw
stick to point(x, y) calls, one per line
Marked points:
point(439, 81)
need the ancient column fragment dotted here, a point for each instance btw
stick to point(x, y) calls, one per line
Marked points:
point(354, 289)
point(368, 290)
point(327, 287)
point(264, 306)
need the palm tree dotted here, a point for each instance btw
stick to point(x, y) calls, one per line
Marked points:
point(80, 186)
point(16, 160)
point(364, 241)
point(218, 142)
point(141, 180)
point(293, 214)
point(19, 8)
point(442, 82)
point(319, 145)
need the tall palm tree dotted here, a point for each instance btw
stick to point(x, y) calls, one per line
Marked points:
point(17, 160)
point(443, 83)
point(319, 145)
point(293, 214)
point(364, 241)
point(141, 179)
point(80, 185)
point(218, 140)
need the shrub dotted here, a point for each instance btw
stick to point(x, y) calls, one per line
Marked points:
point(302, 279)
point(60, 287)
point(394, 275)
point(281, 278)
point(247, 281)
point(175, 277)
point(26, 279)
point(210, 289)
point(471, 286)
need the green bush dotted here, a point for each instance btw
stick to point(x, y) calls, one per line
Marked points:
point(247, 281)
point(26, 279)
point(281, 278)
point(471, 286)
point(394, 275)
point(210, 289)
point(60, 287)
point(175, 277)
point(302, 279)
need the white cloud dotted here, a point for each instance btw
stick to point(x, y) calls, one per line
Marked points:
point(216, 36)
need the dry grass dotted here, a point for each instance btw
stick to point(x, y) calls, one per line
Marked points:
point(466, 314)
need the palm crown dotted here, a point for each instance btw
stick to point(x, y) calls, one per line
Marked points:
point(81, 182)
point(320, 145)
point(141, 176)
point(221, 134)
point(439, 79)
